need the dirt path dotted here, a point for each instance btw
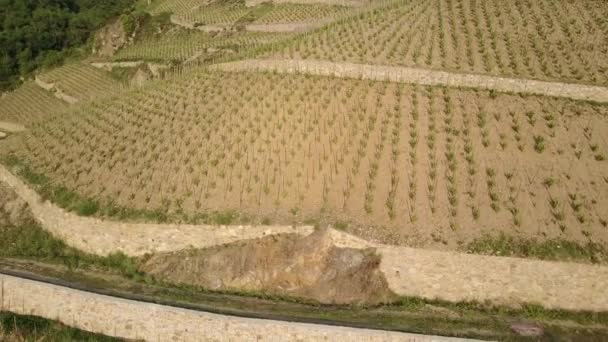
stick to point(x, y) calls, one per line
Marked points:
point(413, 272)
point(422, 77)
point(123, 318)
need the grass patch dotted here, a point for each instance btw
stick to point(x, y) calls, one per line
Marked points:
point(15, 327)
point(559, 250)
point(30, 241)
point(341, 225)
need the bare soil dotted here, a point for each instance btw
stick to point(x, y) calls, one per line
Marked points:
point(408, 165)
point(308, 267)
point(546, 40)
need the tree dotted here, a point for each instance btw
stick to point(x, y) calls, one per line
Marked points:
point(36, 33)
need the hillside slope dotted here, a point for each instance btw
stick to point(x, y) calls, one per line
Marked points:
point(549, 40)
point(398, 162)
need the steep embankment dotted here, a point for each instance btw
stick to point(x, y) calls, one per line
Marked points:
point(428, 274)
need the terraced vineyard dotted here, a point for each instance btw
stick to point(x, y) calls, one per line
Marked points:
point(173, 6)
point(29, 104)
point(182, 45)
point(215, 14)
point(82, 81)
point(554, 40)
point(296, 13)
point(227, 13)
point(231, 130)
point(418, 164)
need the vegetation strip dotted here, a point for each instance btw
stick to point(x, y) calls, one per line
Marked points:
point(23, 295)
point(428, 274)
point(421, 77)
point(15, 327)
point(133, 239)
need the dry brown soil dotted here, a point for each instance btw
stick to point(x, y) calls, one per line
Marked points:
point(411, 165)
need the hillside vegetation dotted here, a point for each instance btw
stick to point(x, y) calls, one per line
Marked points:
point(28, 104)
point(554, 40)
point(432, 164)
point(184, 45)
point(197, 13)
point(81, 81)
point(41, 33)
point(399, 163)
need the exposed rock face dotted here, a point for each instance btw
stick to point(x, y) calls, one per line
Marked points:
point(309, 267)
point(109, 39)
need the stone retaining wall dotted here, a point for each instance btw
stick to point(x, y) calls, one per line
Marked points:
point(151, 322)
point(422, 77)
point(451, 276)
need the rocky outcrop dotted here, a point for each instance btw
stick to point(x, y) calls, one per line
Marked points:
point(309, 267)
point(110, 39)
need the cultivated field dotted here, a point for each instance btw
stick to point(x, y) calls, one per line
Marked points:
point(28, 104)
point(174, 6)
point(554, 40)
point(230, 12)
point(182, 45)
point(274, 156)
point(81, 81)
point(195, 14)
point(215, 13)
point(297, 13)
point(404, 164)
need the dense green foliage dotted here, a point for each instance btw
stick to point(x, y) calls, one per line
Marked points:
point(36, 33)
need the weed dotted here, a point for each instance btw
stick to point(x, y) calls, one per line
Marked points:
point(539, 143)
point(341, 225)
point(547, 250)
point(548, 182)
point(16, 327)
